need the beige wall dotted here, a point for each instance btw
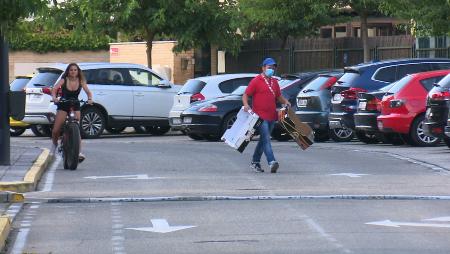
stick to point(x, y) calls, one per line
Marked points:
point(164, 60)
point(25, 62)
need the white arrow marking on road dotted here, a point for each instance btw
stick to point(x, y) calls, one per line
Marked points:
point(388, 223)
point(133, 177)
point(446, 219)
point(161, 226)
point(352, 175)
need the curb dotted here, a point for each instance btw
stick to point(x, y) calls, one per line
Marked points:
point(32, 177)
point(5, 228)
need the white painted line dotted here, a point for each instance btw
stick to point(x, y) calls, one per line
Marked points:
point(444, 219)
point(161, 226)
point(51, 175)
point(397, 224)
point(20, 241)
point(351, 175)
point(130, 177)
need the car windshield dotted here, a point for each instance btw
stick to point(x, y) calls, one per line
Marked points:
point(285, 83)
point(315, 84)
point(46, 77)
point(348, 77)
point(445, 82)
point(400, 84)
point(192, 86)
point(239, 91)
point(18, 84)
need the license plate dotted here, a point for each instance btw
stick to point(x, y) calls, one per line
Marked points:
point(35, 97)
point(362, 105)
point(335, 125)
point(176, 121)
point(337, 97)
point(187, 120)
point(302, 103)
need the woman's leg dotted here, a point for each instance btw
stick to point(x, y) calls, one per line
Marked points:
point(59, 121)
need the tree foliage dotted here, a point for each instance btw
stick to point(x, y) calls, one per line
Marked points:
point(13, 10)
point(431, 17)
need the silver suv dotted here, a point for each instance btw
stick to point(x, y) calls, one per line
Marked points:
point(124, 95)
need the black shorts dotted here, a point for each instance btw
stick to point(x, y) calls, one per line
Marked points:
point(66, 106)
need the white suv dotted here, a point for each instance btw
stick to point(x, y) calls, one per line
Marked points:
point(124, 95)
point(205, 88)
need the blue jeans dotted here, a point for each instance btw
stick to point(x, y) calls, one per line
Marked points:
point(264, 145)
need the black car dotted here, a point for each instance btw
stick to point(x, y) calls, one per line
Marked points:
point(438, 104)
point(210, 119)
point(369, 77)
point(368, 109)
point(313, 105)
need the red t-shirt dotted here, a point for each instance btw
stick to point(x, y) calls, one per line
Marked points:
point(264, 98)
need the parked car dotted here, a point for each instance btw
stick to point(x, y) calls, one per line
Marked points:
point(17, 128)
point(124, 95)
point(209, 119)
point(313, 105)
point(369, 77)
point(438, 104)
point(368, 109)
point(403, 107)
point(204, 88)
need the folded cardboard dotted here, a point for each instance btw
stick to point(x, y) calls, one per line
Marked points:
point(299, 131)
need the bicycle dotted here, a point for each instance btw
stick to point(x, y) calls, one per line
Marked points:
point(70, 136)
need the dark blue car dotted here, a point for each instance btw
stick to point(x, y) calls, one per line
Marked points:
point(369, 77)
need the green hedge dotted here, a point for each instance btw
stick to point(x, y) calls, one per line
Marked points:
point(45, 42)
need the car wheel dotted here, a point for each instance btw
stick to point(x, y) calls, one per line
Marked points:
point(447, 141)
point(341, 134)
point(321, 136)
point(16, 131)
point(139, 129)
point(228, 121)
point(280, 135)
point(92, 123)
point(114, 130)
point(41, 130)
point(417, 135)
point(212, 137)
point(194, 136)
point(157, 130)
point(368, 138)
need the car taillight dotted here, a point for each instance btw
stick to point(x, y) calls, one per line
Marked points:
point(47, 90)
point(208, 108)
point(396, 103)
point(330, 82)
point(445, 95)
point(374, 104)
point(352, 93)
point(197, 97)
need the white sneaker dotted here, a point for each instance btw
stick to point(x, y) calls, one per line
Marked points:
point(53, 149)
point(81, 158)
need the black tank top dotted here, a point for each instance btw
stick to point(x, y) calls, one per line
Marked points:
point(67, 94)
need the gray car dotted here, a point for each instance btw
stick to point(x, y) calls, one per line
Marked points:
point(313, 106)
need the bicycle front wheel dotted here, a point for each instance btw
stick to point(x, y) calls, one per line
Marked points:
point(71, 146)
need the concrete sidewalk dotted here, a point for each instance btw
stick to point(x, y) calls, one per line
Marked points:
point(27, 166)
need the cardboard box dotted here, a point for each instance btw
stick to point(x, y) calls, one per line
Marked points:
point(299, 131)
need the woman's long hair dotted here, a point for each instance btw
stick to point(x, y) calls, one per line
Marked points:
point(81, 78)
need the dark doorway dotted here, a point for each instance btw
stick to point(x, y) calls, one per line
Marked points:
point(202, 61)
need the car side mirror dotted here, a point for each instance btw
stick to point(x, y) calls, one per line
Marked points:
point(164, 84)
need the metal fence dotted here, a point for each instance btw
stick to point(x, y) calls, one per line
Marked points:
point(316, 53)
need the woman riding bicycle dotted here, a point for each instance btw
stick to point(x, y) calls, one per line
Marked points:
point(70, 84)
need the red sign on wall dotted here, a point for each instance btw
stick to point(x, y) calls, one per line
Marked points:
point(114, 51)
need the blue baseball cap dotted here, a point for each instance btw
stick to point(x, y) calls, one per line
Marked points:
point(268, 61)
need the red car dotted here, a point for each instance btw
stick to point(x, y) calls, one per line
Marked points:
point(403, 107)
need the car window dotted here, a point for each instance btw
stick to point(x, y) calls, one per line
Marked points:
point(348, 77)
point(400, 84)
point(386, 74)
point(241, 82)
point(144, 78)
point(45, 77)
point(428, 83)
point(403, 70)
point(192, 86)
point(228, 86)
point(316, 83)
point(107, 76)
point(18, 84)
point(445, 82)
point(441, 66)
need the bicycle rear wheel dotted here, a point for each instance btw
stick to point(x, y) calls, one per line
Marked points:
point(71, 146)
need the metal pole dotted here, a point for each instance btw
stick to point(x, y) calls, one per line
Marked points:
point(4, 105)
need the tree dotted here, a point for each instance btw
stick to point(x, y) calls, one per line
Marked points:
point(10, 12)
point(431, 17)
point(283, 18)
point(363, 8)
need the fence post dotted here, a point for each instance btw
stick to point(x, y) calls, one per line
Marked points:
point(334, 57)
point(291, 57)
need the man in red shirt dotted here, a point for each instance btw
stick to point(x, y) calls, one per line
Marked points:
point(265, 92)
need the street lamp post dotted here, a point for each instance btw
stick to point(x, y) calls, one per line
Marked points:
point(4, 105)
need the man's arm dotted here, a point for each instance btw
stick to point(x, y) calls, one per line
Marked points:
point(283, 100)
point(245, 102)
